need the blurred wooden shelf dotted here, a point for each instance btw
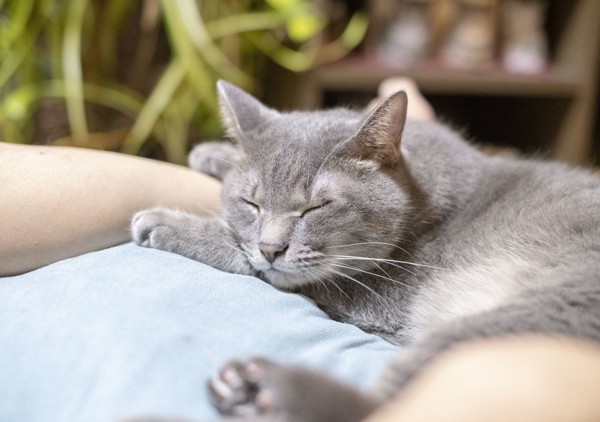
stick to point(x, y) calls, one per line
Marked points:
point(363, 72)
point(552, 112)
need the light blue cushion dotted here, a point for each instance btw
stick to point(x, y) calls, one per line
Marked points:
point(130, 331)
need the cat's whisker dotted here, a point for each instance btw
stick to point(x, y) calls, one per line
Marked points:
point(322, 273)
point(371, 244)
point(396, 266)
point(382, 270)
point(375, 263)
point(309, 268)
point(317, 276)
point(223, 223)
point(332, 281)
point(372, 273)
point(246, 254)
point(386, 260)
point(346, 276)
point(341, 290)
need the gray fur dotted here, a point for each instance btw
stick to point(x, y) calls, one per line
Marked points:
point(214, 158)
point(404, 230)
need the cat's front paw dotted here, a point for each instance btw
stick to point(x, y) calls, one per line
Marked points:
point(158, 228)
point(241, 388)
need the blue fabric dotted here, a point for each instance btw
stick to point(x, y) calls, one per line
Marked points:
point(130, 331)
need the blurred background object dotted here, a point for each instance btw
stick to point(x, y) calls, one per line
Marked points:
point(464, 34)
point(407, 38)
point(139, 76)
point(471, 42)
point(524, 41)
point(519, 74)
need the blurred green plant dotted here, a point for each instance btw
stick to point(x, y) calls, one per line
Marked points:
point(139, 70)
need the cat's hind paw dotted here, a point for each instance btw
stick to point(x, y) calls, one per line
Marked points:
point(239, 388)
point(261, 387)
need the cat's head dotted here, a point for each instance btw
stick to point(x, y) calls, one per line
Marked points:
point(316, 194)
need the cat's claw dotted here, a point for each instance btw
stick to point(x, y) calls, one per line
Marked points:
point(239, 389)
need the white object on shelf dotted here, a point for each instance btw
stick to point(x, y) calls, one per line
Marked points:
point(524, 43)
point(407, 37)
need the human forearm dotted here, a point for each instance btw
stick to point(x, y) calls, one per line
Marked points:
point(60, 202)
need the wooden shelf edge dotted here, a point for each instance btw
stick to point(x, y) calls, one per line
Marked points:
point(365, 73)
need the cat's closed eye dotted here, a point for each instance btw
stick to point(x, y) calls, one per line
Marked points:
point(314, 208)
point(252, 205)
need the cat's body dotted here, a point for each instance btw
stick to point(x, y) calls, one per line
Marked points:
point(510, 225)
point(426, 242)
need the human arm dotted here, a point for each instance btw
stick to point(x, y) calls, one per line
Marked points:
point(531, 378)
point(58, 202)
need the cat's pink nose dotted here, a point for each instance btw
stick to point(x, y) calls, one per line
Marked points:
point(271, 250)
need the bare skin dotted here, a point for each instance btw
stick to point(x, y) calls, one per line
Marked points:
point(531, 379)
point(58, 202)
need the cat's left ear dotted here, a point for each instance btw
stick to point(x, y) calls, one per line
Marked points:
point(240, 111)
point(379, 136)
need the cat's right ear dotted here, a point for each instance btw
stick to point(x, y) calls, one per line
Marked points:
point(379, 136)
point(240, 111)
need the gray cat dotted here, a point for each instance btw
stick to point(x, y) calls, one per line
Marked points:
point(398, 227)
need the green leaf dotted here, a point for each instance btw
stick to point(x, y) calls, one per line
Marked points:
point(283, 5)
point(303, 27)
point(154, 106)
point(72, 67)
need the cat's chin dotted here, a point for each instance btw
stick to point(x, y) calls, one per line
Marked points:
point(286, 281)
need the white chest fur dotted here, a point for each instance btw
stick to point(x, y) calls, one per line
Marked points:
point(469, 289)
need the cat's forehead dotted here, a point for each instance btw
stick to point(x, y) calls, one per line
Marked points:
point(287, 154)
point(309, 129)
point(289, 172)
